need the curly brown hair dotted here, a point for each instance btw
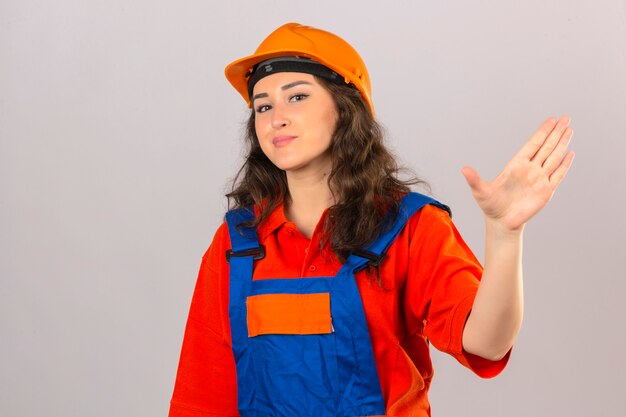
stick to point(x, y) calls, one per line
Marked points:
point(364, 179)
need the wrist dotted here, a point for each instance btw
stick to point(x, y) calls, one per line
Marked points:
point(500, 230)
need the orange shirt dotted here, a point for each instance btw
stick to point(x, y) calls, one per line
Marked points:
point(429, 279)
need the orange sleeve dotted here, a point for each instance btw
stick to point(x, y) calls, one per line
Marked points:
point(206, 381)
point(444, 276)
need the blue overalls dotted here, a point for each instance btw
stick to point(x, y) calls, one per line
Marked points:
point(326, 372)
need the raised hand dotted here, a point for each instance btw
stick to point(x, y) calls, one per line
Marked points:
point(529, 180)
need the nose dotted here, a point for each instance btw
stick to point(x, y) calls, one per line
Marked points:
point(280, 118)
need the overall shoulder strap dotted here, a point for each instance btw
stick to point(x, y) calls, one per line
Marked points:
point(375, 252)
point(244, 241)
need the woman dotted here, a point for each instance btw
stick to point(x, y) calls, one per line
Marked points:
point(321, 292)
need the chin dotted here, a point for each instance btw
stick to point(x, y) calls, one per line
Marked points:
point(287, 165)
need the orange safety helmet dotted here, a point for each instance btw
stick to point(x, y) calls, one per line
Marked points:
point(297, 40)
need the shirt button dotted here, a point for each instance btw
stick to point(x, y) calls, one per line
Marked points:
point(312, 268)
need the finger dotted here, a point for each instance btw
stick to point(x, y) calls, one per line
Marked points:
point(552, 141)
point(562, 169)
point(536, 140)
point(554, 160)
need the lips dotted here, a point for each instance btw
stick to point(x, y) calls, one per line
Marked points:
point(283, 140)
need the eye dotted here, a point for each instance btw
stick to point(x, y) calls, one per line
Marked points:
point(298, 97)
point(262, 108)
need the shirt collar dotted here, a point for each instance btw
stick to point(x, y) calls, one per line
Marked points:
point(274, 221)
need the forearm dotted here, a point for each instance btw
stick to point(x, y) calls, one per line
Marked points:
point(497, 313)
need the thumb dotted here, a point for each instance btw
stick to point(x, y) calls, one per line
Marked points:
point(473, 179)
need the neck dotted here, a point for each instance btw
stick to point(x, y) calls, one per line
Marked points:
point(310, 196)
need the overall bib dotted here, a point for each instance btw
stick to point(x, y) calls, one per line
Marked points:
point(301, 345)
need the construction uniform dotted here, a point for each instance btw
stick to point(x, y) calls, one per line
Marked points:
point(297, 333)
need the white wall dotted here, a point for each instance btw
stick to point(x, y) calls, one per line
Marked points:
point(118, 134)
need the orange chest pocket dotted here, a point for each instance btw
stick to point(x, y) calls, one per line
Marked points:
point(288, 314)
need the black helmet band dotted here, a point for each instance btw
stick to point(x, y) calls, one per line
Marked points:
point(290, 64)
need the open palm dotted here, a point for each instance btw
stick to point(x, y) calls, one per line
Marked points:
point(529, 180)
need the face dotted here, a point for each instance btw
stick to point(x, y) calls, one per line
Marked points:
point(295, 118)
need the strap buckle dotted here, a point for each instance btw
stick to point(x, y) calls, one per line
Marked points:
point(257, 253)
point(373, 259)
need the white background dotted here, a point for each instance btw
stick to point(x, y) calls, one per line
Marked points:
point(119, 133)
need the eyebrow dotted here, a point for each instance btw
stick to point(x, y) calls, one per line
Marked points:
point(284, 87)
